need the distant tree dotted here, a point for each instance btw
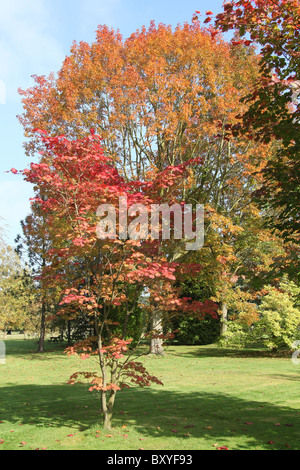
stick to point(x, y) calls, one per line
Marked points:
point(33, 245)
point(278, 324)
point(17, 293)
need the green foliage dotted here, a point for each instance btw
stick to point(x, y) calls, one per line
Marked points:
point(198, 332)
point(193, 331)
point(238, 335)
point(17, 290)
point(279, 324)
point(279, 321)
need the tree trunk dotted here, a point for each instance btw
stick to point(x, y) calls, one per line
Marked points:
point(42, 328)
point(69, 332)
point(107, 408)
point(156, 345)
point(224, 318)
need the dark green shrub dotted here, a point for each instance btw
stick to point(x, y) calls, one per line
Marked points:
point(198, 332)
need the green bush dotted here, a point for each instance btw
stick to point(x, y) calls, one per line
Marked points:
point(278, 325)
point(279, 322)
point(198, 332)
point(238, 335)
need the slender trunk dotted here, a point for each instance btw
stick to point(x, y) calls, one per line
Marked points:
point(69, 332)
point(107, 408)
point(43, 319)
point(107, 405)
point(156, 345)
point(42, 328)
point(224, 318)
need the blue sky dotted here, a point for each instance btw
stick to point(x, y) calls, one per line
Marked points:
point(35, 37)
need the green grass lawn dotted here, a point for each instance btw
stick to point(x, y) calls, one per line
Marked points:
point(210, 398)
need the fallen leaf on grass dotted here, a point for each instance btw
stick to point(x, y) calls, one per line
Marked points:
point(223, 448)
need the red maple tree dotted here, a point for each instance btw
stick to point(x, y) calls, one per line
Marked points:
point(94, 275)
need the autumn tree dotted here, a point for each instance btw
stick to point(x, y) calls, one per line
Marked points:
point(33, 246)
point(274, 100)
point(152, 109)
point(75, 179)
point(160, 98)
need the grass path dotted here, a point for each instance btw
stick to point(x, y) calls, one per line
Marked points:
point(210, 398)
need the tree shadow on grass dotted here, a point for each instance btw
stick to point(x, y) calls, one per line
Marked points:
point(215, 351)
point(28, 349)
point(157, 414)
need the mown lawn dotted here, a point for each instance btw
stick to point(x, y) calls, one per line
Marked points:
point(211, 398)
